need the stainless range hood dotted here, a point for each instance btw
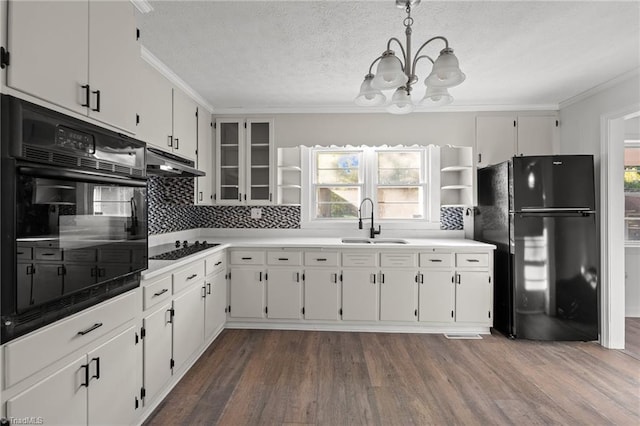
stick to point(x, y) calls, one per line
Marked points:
point(160, 163)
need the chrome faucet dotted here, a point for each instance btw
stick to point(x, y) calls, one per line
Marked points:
point(372, 231)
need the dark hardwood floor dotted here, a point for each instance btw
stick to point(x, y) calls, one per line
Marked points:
point(259, 377)
point(632, 337)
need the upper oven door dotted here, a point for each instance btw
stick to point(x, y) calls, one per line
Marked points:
point(75, 230)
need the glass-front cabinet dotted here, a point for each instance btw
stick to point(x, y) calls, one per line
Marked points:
point(244, 150)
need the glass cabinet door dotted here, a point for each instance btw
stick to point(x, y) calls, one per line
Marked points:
point(229, 179)
point(259, 137)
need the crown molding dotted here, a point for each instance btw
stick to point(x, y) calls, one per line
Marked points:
point(163, 69)
point(601, 87)
point(343, 109)
point(143, 6)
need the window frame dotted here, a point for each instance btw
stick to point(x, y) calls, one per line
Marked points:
point(430, 219)
point(629, 242)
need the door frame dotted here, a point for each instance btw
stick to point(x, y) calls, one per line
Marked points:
point(612, 303)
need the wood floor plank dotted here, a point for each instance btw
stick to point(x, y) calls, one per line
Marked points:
point(256, 377)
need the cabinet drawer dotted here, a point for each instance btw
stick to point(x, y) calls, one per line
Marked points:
point(215, 263)
point(435, 260)
point(80, 255)
point(156, 291)
point(320, 258)
point(475, 260)
point(114, 256)
point(24, 356)
point(47, 254)
point(398, 259)
point(247, 257)
point(188, 275)
point(359, 259)
point(24, 252)
point(284, 258)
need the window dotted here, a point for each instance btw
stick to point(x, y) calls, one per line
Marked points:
point(338, 182)
point(400, 184)
point(632, 190)
point(394, 178)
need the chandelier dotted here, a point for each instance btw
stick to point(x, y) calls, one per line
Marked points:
point(394, 73)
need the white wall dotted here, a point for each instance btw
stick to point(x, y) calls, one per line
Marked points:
point(438, 128)
point(582, 132)
point(632, 281)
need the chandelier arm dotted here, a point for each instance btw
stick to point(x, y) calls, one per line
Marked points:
point(417, 58)
point(373, 63)
point(404, 55)
point(446, 45)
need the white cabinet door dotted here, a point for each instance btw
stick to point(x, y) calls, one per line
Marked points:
point(59, 399)
point(157, 351)
point(185, 125)
point(188, 324)
point(321, 294)
point(113, 385)
point(204, 184)
point(49, 47)
point(537, 135)
point(359, 294)
point(473, 297)
point(398, 295)
point(155, 108)
point(247, 292)
point(437, 295)
point(495, 139)
point(113, 62)
point(216, 305)
point(284, 293)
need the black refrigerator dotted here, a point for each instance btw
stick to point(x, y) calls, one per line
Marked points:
point(540, 213)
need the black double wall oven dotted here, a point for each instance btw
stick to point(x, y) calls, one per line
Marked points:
point(73, 215)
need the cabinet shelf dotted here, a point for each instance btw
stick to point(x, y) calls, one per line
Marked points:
point(290, 168)
point(455, 168)
point(453, 187)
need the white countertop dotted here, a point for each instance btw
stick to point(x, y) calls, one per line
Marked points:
point(158, 267)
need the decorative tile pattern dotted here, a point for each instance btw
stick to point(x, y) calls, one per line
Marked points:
point(171, 209)
point(451, 218)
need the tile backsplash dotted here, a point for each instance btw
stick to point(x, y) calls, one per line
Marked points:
point(171, 209)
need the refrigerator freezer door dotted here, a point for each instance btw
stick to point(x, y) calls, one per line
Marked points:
point(555, 277)
point(558, 181)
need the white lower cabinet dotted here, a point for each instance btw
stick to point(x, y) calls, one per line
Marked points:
point(98, 387)
point(321, 294)
point(215, 304)
point(437, 296)
point(398, 295)
point(246, 288)
point(156, 350)
point(473, 297)
point(359, 294)
point(188, 324)
point(284, 293)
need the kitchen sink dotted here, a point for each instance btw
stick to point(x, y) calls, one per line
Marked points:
point(388, 241)
point(355, 241)
point(372, 241)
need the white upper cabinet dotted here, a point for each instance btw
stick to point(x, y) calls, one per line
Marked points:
point(244, 155)
point(498, 138)
point(204, 184)
point(156, 111)
point(537, 135)
point(80, 55)
point(185, 125)
point(495, 139)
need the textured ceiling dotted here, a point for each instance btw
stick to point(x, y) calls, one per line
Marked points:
point(312, 55)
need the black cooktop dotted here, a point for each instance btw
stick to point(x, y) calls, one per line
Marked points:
point(183, 250)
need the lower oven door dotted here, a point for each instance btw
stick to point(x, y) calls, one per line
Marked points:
point(74, 231)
